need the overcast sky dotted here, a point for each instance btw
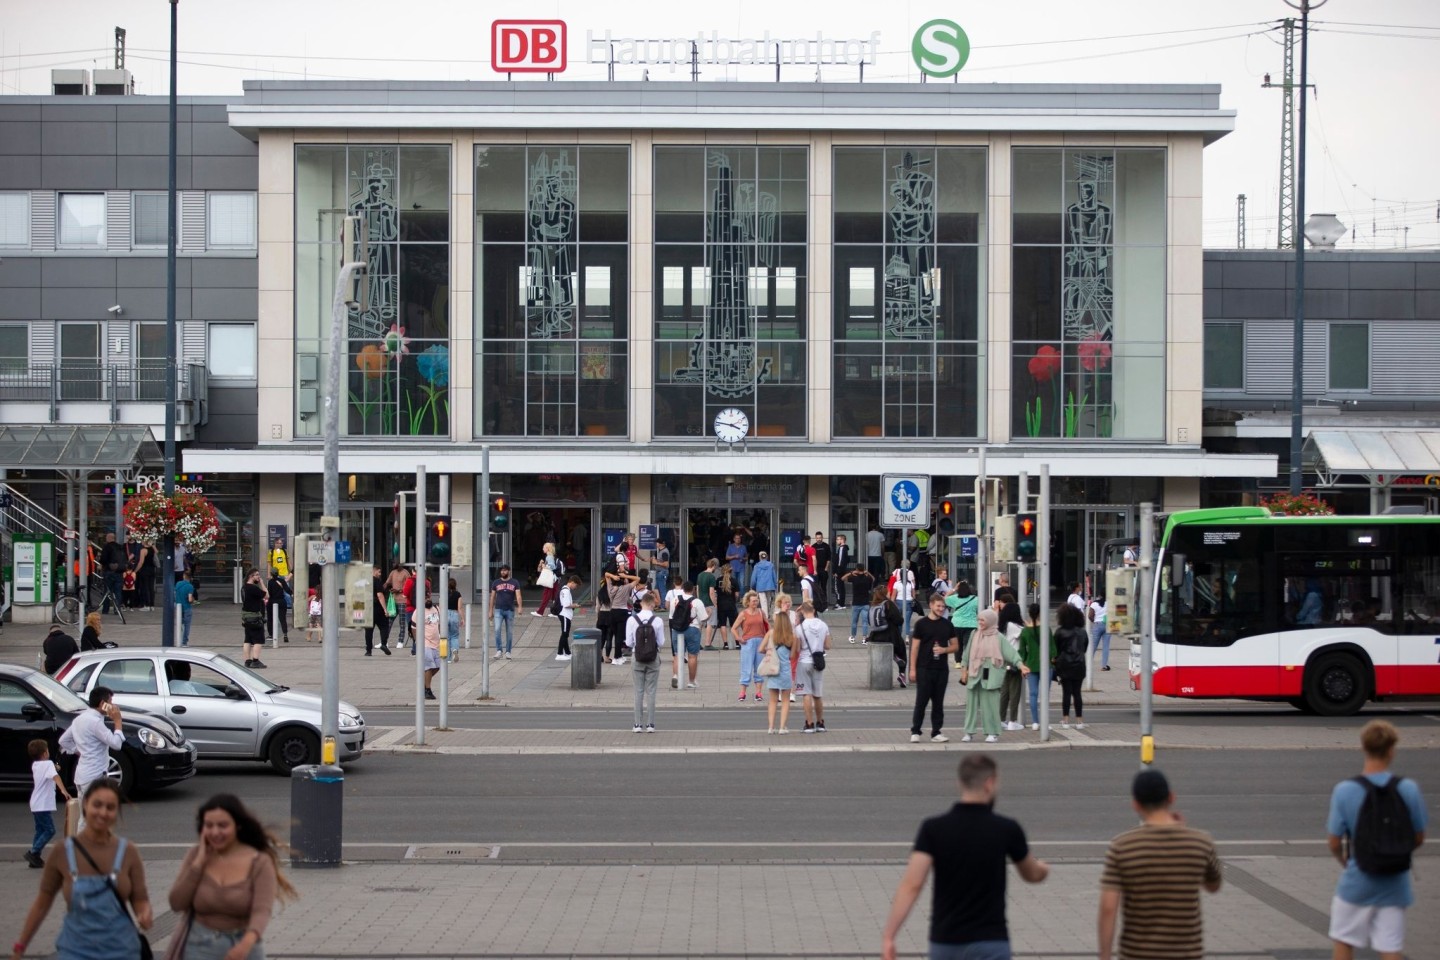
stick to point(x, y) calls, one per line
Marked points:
point(1375, 66)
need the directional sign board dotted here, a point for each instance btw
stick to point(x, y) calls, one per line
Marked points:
point(904, 502)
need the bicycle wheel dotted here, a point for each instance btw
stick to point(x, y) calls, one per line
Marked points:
point(67, 610)
point(114, 603)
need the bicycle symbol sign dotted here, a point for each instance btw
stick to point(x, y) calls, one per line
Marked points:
point(905, 502)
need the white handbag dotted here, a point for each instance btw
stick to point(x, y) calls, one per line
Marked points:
point(546, 578)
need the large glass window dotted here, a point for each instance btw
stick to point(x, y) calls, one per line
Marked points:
point(551, 279)
point(1224, 356)
point(230, 221)
point(232, 350)
point(909, 231)
point(397, 337)
point(730, 288)
point(82, 219)
point(1088, 321)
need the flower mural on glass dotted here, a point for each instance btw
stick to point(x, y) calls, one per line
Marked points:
point(434, 365)
point(396, 344)
point(372, 362)
point(1044, 368)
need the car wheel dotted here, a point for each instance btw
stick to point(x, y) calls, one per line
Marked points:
point(293, 747)
point(1335, 685)
point(121, 769)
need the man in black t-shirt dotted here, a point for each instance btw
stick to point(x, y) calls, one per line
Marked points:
point(823, 559)
point(967, 849)
point(932, 640)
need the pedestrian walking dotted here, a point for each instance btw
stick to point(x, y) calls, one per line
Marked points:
point(821, 568)
point(966, 849)
point(99, 874)
point(279, 592)
point(725, 607)
point(842, 562)
point(779, 640)
point(252, 620)
point(567, 616)
point(505, 602)
point(427, 624)
point(1099, 636)
point(395, 586)
point(454, 619)
point(705, 590)
point(963, 606)
point(227, 885)
point(90, 636)
point(861, 585)
point(185, 599)
point(547, 576)
point(644, 636)
point(813, 638)
point(45, 781)
point(750, 629)
point(764, 581)
point(381, 615)
point(1029, 651)
point(1153, 875)
point(660, 566)
point(932, 641)
point(1010, 624)
point(91, 739)
point(737, 559)
point(1374, 890)
point(983, 674)
point(1068, 652)
point(685, 622)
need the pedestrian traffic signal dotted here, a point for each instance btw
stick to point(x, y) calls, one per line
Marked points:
point(945, 525)
point(1027, 536)
point(437, 541)
point(499, 513)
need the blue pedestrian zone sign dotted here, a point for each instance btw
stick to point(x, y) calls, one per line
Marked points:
point(342, 551)
point(905, 502)
point(969, 546)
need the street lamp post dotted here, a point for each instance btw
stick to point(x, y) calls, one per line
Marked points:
point(1297, 355)
point(167, 551)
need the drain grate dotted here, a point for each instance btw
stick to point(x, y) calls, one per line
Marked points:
point(453, 851)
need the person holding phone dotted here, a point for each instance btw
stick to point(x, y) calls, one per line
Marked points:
point(982, 670)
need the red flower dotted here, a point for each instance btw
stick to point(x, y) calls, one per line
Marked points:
point(1045, 364)
point(1094, 353)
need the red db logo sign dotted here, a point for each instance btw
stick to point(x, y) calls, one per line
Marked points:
point(527, 46)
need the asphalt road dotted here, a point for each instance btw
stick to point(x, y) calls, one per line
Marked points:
point(758, 807)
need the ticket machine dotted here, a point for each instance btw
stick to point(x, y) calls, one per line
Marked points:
point(34, 569)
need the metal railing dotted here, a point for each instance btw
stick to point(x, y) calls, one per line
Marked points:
point(142, 381)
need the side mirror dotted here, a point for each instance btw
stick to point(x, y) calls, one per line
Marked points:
point(32, 712)
point(234, 692)
point(1177, 569)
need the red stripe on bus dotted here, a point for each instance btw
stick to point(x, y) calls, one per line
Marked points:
point(1262, 681)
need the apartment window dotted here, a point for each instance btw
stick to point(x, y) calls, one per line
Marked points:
point(82, 219)
point(230, 219)
point(80, 377)
point(14, 219)
point(1349, 356)
point(149, 213)
point(14, 348)
point(232, 350)
point(1224, 356)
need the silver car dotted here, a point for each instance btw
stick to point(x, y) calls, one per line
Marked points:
point(227, 711)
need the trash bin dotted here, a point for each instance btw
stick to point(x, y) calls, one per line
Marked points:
point(882, 664)
point(317, 804)
point(585, 659)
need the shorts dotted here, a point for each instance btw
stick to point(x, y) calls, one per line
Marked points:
point(1382, 929)
point(315, 621)
point(432, 658)
point(809, 681)
point(712, 616)
point(692, 640)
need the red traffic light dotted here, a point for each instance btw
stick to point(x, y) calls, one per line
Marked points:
point(1026, 526)
point(946, 508)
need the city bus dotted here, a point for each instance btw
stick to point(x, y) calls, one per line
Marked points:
point(1325, 613)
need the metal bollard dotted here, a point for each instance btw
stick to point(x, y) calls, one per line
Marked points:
point(317, 794)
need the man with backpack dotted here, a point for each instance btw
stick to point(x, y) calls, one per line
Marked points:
point(685, 620)
point(1376, 822)
point(644, 633)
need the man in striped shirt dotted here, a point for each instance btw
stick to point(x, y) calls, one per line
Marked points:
point(1156, 871)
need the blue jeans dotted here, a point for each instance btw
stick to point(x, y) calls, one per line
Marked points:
point(507, 619)
point(453, 622)
point(1033, 683)
point(860, 620)
point(187, 613)
point(1100, 640)
point(749, 660)
point(44, 829)
point(979, 950)
point(662, 582)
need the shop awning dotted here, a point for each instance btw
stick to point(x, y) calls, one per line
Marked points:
point(1379, 456)
point(58, 446)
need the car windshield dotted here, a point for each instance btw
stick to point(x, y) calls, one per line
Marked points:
point(245, 675)
point(57, 693)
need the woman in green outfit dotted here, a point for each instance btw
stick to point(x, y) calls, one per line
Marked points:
point(982, 669)
point(963, 606)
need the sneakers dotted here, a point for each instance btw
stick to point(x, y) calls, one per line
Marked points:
point(914, 738)
point(1104, 668)
point(256, 665)
point(742, 696)
point(1065, 724)
point(852, 639)
point(864, 641)
point(783, 730)
point(1080, 725)
point(499, 654)
point(536, 613)
point(1034, 726)
point(674, 683)
point(368, 653)
point(901, 680)
point(384, 650)
point(771, 730)
point(966, 739)
point(939, 738)
point(820, 726)
point(429, 694)
point(726, 646)
point(635, 729)
point(689, 686)
point(809, 728)
point(507, 656)
point(561, 656)
point(618, 661)
point(650, 728)
point(992, 739)
point(38, 862)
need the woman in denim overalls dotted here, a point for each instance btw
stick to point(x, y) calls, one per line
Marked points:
point(97, 926)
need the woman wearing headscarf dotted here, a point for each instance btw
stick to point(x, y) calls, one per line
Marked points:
point(983, 672)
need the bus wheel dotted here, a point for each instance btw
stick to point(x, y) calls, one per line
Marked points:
point(1335, 685)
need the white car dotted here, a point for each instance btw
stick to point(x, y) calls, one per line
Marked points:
point(227, 711)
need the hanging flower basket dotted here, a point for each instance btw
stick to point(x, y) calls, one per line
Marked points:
point(150, 516)
point(1303, 504)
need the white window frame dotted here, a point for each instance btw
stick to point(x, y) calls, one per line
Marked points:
point(135, 242)
point(247, 242)
point(231, 351)
point(99, 243)
point(23, 219)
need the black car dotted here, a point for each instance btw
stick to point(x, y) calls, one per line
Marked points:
point(33, 706)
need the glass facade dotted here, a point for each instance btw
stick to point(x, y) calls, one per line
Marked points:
point(1088, 322)
point(551, 290)
point(397, 341)
point(730, 288)
point(909, 291)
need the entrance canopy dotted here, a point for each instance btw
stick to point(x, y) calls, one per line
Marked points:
point(1379, 456)
point(75, 447)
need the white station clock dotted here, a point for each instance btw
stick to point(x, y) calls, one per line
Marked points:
point(731, 425)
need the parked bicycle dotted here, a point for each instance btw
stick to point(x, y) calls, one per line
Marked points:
point(67, 608)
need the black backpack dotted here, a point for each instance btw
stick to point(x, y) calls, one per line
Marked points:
point(647, 646)
point(684, 613)
point(1384, 836)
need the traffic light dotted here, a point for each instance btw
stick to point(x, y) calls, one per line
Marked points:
point(945, 525)
point(1027, 537)
point(438, 531)
point(499, 513)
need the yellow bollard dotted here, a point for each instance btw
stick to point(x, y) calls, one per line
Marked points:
point(1147, 749)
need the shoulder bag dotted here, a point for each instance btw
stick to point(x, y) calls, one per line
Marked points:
point(817, 657)
point(546, 578)
point(770, 662)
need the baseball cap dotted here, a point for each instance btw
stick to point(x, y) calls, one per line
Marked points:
point(1150, 788)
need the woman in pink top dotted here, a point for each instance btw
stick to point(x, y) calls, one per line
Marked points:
point(228, 884)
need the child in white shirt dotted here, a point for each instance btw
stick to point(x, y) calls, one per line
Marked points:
point(42, 799)
point(567, 616)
